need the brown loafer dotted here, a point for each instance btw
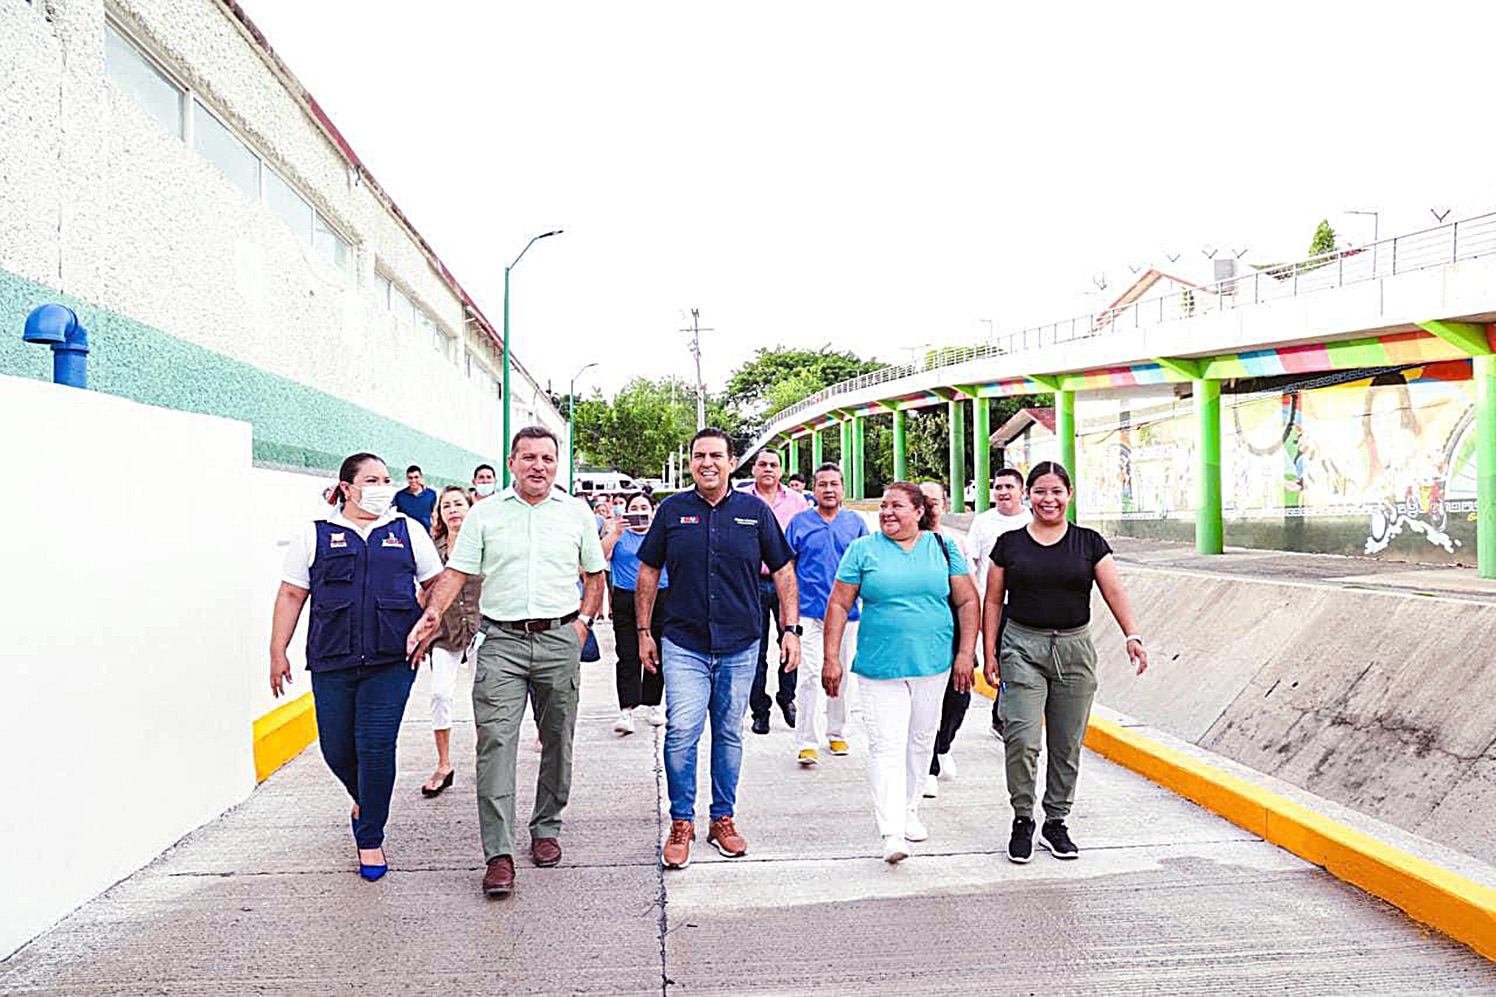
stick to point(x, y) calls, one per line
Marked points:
point(498, 881)
point(545, 851)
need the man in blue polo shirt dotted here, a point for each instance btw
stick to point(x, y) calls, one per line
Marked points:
point(712, 540)
point(415, 499)
point(818, 538)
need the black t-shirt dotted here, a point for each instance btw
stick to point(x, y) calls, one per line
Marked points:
point(1049, 588)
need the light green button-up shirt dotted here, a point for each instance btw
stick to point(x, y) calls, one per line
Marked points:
point(528, 555)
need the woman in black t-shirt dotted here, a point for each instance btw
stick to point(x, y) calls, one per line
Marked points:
point(1047, 664)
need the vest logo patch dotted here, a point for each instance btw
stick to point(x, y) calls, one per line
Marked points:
point(390, 540)
point(337, 540)
point(744, 522)
point(690, 520)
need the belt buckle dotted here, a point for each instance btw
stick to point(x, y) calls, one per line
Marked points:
point(537, 626)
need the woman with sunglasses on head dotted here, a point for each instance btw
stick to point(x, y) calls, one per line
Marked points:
point(908, 578)
point(1046, 666)
point(457, 641)
point(360, 566)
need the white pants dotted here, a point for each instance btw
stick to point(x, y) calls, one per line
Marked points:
point(901, 716)
point(444, 665)
point(812, 722)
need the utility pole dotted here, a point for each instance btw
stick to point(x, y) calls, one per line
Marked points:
point(696, 332)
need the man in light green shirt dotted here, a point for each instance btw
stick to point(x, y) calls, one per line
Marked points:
point(529, 542)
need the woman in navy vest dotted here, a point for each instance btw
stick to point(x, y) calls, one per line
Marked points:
point(360, 565)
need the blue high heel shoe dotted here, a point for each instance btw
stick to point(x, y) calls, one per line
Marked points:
point(369, 872)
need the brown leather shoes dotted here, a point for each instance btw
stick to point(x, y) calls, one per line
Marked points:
point(726, 838)
point(677, 852)
point(545, 851)
point(498, 881)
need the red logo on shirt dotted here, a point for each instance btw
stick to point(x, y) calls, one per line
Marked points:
point(690, 520)
point(337, 540)
point(390, 540)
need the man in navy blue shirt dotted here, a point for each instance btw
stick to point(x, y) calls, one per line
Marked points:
point(818, 538)
point(415, 499)
point(712, 540)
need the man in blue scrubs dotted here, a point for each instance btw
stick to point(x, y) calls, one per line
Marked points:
point(712, 540)
point(818, 538)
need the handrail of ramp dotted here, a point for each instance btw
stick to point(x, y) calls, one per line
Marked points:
point(1437, 246)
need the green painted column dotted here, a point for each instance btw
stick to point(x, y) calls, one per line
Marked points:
point(1485, 464)
point(844, 455)
point(981, 453)
point(958, 454)
point(792, 466)
point(1209, 531)
point(859, 442)
point(1064, 428)
point(817, 450)
point(900, 445)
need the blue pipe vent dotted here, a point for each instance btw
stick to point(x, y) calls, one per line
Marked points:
point(57, 326)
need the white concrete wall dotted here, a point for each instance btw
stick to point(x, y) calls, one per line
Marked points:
point(102, 202)
point(125, 721)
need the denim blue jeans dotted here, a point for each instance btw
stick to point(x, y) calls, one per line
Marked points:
point(697, 686)
point(358, 717)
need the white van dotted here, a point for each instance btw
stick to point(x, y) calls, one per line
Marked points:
point(590, 481)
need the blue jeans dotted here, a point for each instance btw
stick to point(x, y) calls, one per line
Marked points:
point(698, 685)
point(358, 716)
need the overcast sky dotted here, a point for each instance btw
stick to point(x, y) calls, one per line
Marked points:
point(879, 176)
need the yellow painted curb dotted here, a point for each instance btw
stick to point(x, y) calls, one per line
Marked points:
point(282, 734)
point(1448, 902)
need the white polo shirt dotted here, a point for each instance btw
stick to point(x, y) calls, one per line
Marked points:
point(302, 549)
point(982, 537)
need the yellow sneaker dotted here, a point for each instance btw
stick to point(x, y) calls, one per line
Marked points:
point(808, 757)
point(839, 747)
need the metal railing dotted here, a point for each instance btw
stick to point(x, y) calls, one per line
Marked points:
point(1440, 245)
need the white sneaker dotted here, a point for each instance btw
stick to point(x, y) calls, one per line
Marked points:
point(913, 829)
point(947, 766)
point(895, 849)
point(932, 787)
point(655, 715)
point(625, 724)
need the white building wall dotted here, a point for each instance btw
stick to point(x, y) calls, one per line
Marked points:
point(126, 720)
point(108, 206)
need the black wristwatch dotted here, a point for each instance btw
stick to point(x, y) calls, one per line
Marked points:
point(587, 621)
point(795, 629)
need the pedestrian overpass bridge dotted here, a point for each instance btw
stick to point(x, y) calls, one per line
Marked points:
point(1423, 297)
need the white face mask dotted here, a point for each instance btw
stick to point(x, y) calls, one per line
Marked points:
point(376, 499)
point(484, 488)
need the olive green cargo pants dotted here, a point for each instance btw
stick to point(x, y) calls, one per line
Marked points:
point(1048, 683)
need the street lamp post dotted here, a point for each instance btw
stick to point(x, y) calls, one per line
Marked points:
point(508, 353)
point(571, 430)
point(1375, 230)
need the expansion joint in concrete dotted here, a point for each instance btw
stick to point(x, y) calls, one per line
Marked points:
point(663, 899)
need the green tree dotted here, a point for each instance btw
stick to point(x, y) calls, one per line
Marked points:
point(777, 378)
point(638, 429)
point(1324, 239)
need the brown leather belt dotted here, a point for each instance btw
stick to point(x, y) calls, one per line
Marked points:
point(533, 626)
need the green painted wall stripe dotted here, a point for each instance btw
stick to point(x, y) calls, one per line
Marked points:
point(294, 425)
point(1357, 353)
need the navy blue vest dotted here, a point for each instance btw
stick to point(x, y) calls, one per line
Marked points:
point(363, 596)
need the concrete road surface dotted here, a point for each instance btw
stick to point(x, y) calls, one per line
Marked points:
point(1165, 898)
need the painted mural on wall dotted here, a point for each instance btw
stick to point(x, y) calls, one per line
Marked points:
point(1382, 465)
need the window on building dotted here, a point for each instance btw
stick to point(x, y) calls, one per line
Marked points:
point(329, 245)
point(135, 74)
point(222, 148)
point(382, 289)
point(287, 205)
point(405, 312)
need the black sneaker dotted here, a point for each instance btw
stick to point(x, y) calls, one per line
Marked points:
point(1021, 844)
point(761, 725)
point(1056, 838)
